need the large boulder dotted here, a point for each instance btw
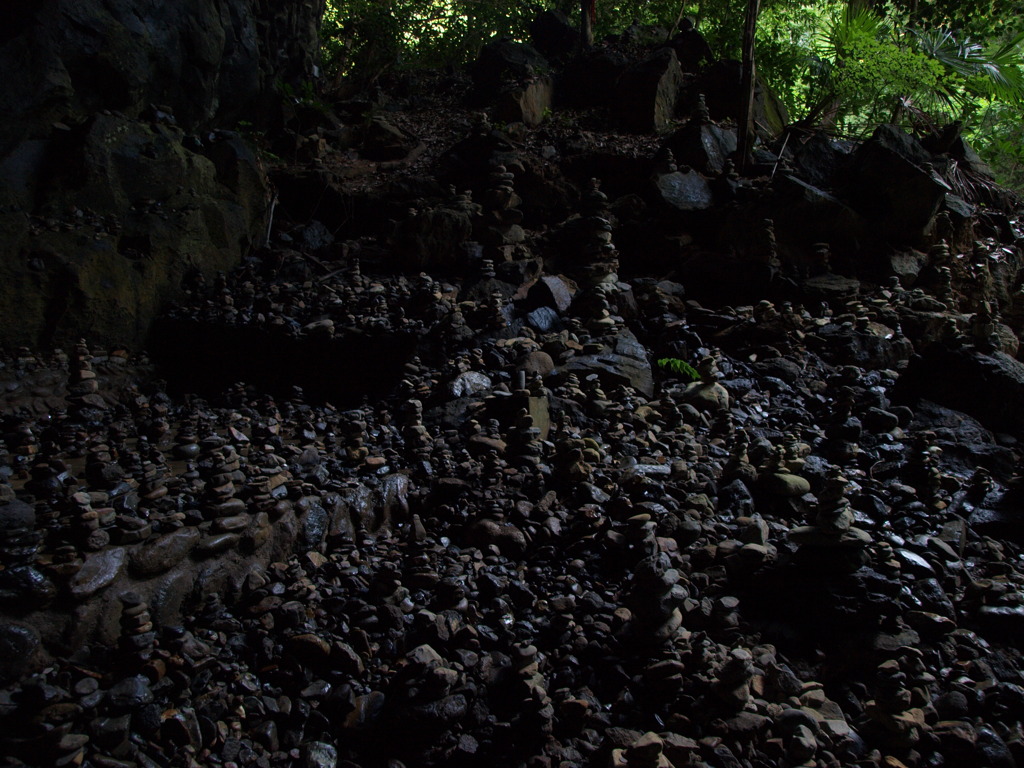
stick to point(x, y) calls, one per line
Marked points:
point(433, 238)
point(684, 191)
point(805, 214)
point(646, 94)
point(891, 181)
point(818, 158)
point(505, 61)
point(528, 103)
point(515, 78)
point(19, 650)
point(622, 362)
point(703, 146)
point(691, 48)
point(966, 444)
point(554, 35)
point(989, 387)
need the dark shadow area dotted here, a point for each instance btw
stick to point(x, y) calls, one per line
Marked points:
point(195, 357)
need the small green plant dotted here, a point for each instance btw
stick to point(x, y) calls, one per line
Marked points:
point(256, 139)
point(679, 367)
point(304, 95)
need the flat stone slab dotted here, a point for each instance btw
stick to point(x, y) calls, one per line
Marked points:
point(98, 571)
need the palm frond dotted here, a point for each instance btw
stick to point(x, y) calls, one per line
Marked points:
point(996, 71)
point(975, 187)
point(842, 31)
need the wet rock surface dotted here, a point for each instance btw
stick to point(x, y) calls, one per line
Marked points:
point(583, 558)
point(482, 479)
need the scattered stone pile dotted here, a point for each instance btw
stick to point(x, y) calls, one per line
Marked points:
point(450, 508)
point(535, 549)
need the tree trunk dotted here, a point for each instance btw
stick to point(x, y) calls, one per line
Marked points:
point(588, 14)
point(746, 126)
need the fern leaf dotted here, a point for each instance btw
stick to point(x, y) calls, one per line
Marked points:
point(680, 367)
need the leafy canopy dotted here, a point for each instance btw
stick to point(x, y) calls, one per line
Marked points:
point(846, 65)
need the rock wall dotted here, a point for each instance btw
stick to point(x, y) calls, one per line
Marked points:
point(115, 183)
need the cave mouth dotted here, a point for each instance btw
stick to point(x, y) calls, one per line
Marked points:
point(206, 359)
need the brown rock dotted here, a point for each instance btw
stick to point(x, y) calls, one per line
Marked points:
point(163, 553)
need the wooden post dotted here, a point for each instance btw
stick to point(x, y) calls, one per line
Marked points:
point(746, 126)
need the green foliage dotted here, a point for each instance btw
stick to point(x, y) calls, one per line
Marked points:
point(863, 70)
point(364, 38)
point(613, 16)
point(987, 19)
point(679, 367)
point(846, 65)
point(304, 95)
point(784, 45)
point(991, 71)
point(998, 133)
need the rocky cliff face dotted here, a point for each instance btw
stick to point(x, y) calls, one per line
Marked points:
point(115, 183)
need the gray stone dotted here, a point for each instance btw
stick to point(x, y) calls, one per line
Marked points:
point(831, 287)
point(110, 732)
point(703, 146)
point(130, 693)
point(169, 595)
point(384, 142)
point(790, 719)
point(469, 383)
point(1007, 619)
point(505, 536)
point(316, 236)
point(685, 191)
point(17, 514)
point(544, 319)
point(877, 420)
point(450, 709)
point(319, 754)
point(907, 265)
point(25, 588)
point(538, 361)
point(818, 157)
point(624, 361)
point(779, 367)
point(551, 291)
point(315, 523)
point(992, 751)
point(216, 544)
